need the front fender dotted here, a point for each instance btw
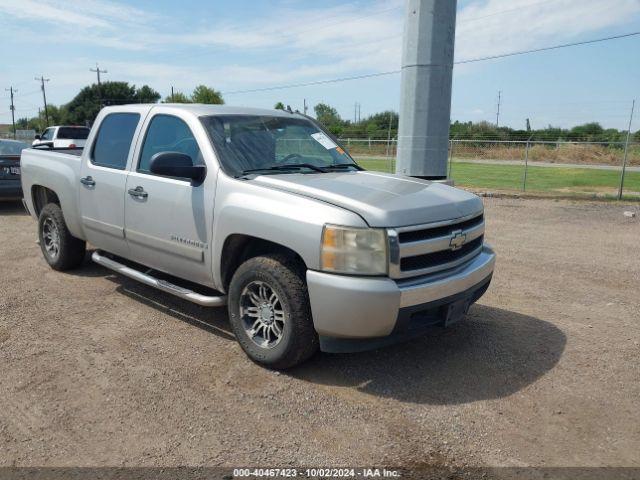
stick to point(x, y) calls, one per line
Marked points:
point(284, 218)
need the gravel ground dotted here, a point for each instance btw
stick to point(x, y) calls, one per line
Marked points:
point(98, 370)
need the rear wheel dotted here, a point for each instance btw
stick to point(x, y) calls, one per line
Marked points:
point(60, 249)
point(270, 313)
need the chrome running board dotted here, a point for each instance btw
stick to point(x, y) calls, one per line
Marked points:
point(165, 286)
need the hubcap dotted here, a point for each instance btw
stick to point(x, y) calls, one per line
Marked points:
point(262, 314)
point(51, 238)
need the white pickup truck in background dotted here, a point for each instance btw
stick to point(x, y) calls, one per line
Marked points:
point(62, 137)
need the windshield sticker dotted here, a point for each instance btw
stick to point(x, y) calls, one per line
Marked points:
point(323, 140)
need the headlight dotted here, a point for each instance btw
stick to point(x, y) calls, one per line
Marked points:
point(355, 251)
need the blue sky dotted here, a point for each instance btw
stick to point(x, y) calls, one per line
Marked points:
point(254, 44)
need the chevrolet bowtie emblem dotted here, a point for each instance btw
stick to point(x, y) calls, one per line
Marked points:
point(457, 239)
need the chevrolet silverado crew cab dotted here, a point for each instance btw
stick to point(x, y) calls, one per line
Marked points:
point(262, 211)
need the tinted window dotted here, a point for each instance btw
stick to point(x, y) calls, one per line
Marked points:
point(8, 147)
point(168, 134)
point(112, 144)
point(73, 133)
point(47, 134)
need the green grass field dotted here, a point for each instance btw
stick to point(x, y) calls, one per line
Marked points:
point(560, 180)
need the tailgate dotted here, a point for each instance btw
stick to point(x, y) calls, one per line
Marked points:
point(9, 167)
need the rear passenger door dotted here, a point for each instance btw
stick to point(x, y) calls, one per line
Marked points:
point(103, 177)
point(168, 219)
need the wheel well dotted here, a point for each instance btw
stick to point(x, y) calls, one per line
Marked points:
point(239, 248)
point(42, 196)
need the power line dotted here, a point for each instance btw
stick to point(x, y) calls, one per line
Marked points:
point(394, 72)
point(542, 49)
point(317, 82)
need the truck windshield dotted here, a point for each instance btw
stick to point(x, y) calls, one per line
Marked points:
point(273, 144)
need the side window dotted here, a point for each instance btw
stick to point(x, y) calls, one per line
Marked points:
point(167, 133)
point(112, 144)
point(47, 134)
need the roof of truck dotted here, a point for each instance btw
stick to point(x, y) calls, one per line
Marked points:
point(204, 109)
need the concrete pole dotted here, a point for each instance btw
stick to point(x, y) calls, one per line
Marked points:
point(425, 100)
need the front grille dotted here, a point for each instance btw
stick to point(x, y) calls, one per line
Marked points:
point(438, 258)
point(417, 235)
point(428, 249)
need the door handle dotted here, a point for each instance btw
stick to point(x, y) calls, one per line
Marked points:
point(88, 181)
point(138, 192)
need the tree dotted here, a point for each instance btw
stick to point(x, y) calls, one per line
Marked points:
point(146, 94)
point(85, 105)
point(177, 97)
point(204, 94)
point(279, 106)
point(326, 114)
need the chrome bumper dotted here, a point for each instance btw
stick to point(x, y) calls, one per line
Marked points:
point(450, 282)
point(357, 307)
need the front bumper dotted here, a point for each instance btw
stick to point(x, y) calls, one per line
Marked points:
point(10, 188)
point(347, 309)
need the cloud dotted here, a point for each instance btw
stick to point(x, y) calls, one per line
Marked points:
point(501, 26)
point(297, 41)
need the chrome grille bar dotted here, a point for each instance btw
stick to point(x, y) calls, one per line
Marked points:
point(436, 246)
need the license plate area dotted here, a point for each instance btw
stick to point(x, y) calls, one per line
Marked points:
point(454, 312)
point(11, 170)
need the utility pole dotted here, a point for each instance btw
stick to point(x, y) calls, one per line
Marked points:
point(359, 107)
point(498, 111)
point(626, 151)
point(97, 71)
point(355, 112)
point(44, 96)
point(13, 110)
point(304, 107)
point(171, 93)
point(425, 105)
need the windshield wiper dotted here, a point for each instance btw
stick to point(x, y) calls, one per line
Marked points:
point(341, 166)
point(289, 166)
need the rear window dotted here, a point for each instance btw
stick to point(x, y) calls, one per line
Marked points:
point(113, 141)
point(73, 133)
point(11, 147)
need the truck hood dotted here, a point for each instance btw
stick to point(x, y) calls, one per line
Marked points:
point(382, 200)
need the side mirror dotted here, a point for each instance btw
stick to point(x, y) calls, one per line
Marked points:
point(176, 164)
point(37, 137)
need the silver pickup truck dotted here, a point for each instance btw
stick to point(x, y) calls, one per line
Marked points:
point(262, 211)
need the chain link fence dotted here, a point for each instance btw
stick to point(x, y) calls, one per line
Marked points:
point(591, 169)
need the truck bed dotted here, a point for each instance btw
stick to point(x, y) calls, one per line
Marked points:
point(57, 169)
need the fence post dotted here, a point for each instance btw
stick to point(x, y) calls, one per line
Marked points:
point(450, 157)
point(626, 151)
point(526, 166)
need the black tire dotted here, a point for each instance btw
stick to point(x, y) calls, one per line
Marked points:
point(71, 250)
point(286, 278)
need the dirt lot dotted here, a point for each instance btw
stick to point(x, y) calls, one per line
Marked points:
point(98, 370)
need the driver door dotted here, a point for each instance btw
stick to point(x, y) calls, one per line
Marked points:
point(167, 219)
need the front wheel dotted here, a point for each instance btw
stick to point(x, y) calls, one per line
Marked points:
point(60, 249)
point(269, 311)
